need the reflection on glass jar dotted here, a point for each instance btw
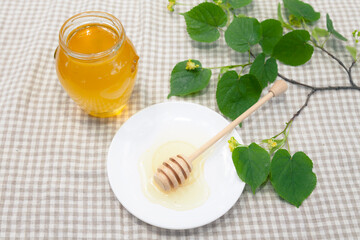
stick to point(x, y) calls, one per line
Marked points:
point(96, 63)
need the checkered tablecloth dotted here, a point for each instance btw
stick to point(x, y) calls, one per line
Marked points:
point(53, 180)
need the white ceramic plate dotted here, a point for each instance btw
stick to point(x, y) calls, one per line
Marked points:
point(173, 121)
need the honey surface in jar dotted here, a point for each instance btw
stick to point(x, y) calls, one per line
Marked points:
point(92, 39)
point(102, 81)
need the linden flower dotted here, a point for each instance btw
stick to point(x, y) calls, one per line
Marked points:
point(233, 144)
point(190, 65)
point(356, 35)
point(294, 21)
point(271, 143)
point(171, 5)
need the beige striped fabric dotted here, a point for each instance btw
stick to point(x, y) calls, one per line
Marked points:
point(53, 179)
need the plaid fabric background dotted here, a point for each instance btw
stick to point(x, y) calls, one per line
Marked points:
point(53, 180)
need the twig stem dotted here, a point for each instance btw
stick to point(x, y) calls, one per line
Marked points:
point(315, 89)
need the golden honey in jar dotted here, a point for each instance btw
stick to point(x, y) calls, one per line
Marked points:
point(96, 63)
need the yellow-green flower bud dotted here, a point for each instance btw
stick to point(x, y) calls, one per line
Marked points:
point(171, 5)
point(190, 65)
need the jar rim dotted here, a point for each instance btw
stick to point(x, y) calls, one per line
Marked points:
point(95, 14)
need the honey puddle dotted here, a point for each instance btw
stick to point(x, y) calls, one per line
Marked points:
point(191, 194)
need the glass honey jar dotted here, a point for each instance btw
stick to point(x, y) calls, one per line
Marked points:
point(96, 63)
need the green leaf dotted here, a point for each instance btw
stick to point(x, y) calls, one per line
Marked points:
point(352, 51)
point(238, 3)
point(184, 82)
point(265, 72)
point(203, 20)
point(240, 15)
point(281, 19)
point(252, 164)
point(330, 27)
point(302, 10)
point(271, 33)
point(293, 49)
point(292, 177)
point(234, 96)
point(243, 33)
point(319, 32)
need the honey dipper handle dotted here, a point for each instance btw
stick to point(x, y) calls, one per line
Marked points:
point(277, 89)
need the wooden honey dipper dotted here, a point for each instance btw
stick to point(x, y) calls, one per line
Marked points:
point(177, 169)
